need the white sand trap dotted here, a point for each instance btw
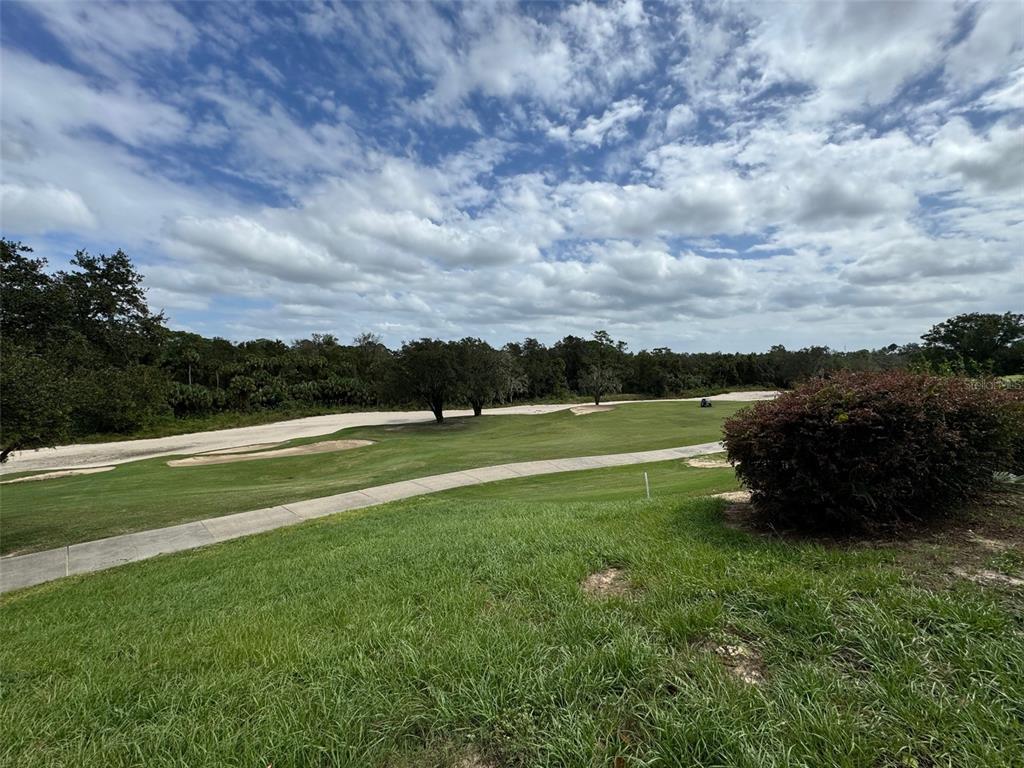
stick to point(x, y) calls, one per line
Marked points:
point(583, 410)
point(241, 449)
point(327, 446)
point(58, 473)
point(742, 397)
point(705, 463)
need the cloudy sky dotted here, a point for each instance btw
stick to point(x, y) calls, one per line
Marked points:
point(694, 176)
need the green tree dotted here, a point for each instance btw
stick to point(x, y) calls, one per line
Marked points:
point(33, 307)
point(511, 379)
point(426, 372)
point(34, 407)
point(478, 370)
point(109, 308)
point(373, 362)
point(981, 343)
point(600, 379)
point(34, 410)
point(544, 370)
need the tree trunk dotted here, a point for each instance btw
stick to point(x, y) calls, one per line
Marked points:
point(437, 407)
point(478, 406)
point(190, 374)
point(597, 398)
point(5, 453)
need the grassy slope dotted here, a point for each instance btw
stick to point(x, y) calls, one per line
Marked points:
point(149, 494)
point(668, 479)
point(432, 630)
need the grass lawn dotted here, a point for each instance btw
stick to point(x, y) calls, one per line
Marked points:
point(668, 479)
point(149, 494)
point(451, 630)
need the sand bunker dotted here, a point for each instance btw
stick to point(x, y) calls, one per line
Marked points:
point(743, 397)
point(58, 473)
point(583, 410)
point(707, 463)
point(241, 449)
point(225, 457)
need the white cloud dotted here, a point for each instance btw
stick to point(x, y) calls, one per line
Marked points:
point(680, 118)
point(815, 198)
point(996, 38)
point(40, 97)
point(609, 126)
point(110, 36)
point(43, 209)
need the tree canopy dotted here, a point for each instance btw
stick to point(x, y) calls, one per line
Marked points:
point(978, 343)
point(83, 353)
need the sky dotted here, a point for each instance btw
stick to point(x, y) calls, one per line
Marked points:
point(697, 176)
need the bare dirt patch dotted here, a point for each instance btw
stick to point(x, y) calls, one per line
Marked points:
point(473, 759)
point(58, 473)
point(327, 446)
point(734, 497)
point(739, 514)
point(701, 462)
point(992, 545)
point(742, 661)
point(611, 582)
point(583, 410)
point(988, 578)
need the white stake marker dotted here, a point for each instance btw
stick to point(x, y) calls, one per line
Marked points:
point(647, 485)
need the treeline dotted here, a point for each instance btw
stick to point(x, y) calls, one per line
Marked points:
point(83, 354)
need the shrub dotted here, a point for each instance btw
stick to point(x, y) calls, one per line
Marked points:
point(189, 399)
point(1016, 388)
point(119, 399)
point(862, 451)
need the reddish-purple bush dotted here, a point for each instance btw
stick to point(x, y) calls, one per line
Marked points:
point(861, 451)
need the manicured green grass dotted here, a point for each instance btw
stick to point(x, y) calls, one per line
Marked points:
point(668, 479)
point(443, 631)
point(149, 494)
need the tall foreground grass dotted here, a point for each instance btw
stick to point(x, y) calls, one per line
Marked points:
point(433, 631)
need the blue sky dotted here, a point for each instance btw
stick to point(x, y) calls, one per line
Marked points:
point(698, 176)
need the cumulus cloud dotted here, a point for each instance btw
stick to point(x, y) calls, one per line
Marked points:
point(43, 209)
point(712, 176)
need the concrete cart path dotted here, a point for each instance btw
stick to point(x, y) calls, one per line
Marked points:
point(104, 454)
point(17, 571)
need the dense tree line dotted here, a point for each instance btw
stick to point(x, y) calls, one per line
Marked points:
point(83, 354)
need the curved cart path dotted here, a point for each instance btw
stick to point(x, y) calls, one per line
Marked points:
point(103, 454)
point(18, 571)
